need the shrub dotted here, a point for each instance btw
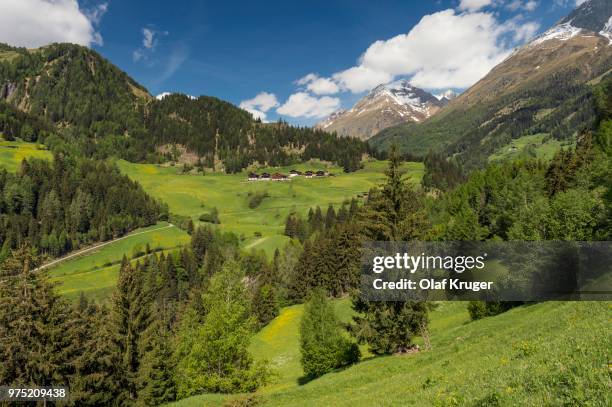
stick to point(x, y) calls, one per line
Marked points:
point(322, 342)
point(212, 217)
point(481, 309)
point(254, 200)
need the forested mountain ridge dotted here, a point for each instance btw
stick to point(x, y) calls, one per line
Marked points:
point(543, 87)
point(99, 111)
point(215, 129)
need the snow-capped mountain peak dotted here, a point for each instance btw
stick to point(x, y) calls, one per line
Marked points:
point(592, 16)
point(385, 106)
point(448, 95)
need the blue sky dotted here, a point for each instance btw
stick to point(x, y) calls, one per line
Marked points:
point(255, 53)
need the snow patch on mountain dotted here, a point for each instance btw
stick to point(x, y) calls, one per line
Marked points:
point(607, 30)
point(164, 94)
point(448, 95)
point(561, 32)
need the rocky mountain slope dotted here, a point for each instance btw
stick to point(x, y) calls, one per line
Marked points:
point(543, 87)
point(385, 106)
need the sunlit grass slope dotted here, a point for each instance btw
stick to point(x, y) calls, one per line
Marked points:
point(13, 152)
point(554, 353)
point(534, 146)
point(95, 272)
point(193, 195)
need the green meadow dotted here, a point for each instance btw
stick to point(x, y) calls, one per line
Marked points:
point(261, 227)
point(554, 353)
point(533, 146)
point(95, 272)
point(13, 152)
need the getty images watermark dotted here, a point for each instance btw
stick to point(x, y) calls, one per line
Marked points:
point(490, 271)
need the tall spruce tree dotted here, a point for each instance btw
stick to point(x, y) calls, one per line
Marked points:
point(131, 317)
point(98, 377)
point(155, 375)
point(395, 213)
point(33, 320)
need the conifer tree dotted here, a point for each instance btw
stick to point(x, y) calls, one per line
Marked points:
point(395, 213)
point(291, 226)
point(330, 217)
point(33, 322)
point(265, 304)
point(131, 317)
point(155, 375)
point(98, 378)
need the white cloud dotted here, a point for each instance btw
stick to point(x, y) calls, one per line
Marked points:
point(307, 79)
point(318, 85)
point(137, 55)
point(360, 78)
point(301, 104)
point(148, 38)
point(178, 56)
point(444, 50)
point(96, 13)
point(529, 5)
point(474, 5)
point(521, 31)
point(260, 104)
point(33, 23)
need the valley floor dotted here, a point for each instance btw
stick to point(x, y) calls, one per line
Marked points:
point(261, 227)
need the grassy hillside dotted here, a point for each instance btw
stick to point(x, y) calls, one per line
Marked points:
point(13, 152)
point(95, 273)
point(193, 195)
point(554, 353)
point(535, 146)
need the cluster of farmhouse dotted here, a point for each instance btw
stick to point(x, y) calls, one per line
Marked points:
point(277, 176)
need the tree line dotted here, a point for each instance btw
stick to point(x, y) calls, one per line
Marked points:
point(60, 205)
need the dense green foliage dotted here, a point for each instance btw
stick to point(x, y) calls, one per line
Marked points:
point(17, 124)
point(177, 325)
point(99, 111)
point(61, 205)
point(217, 130)
point(441, 173)
point(213, 356)
point(322, 343)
